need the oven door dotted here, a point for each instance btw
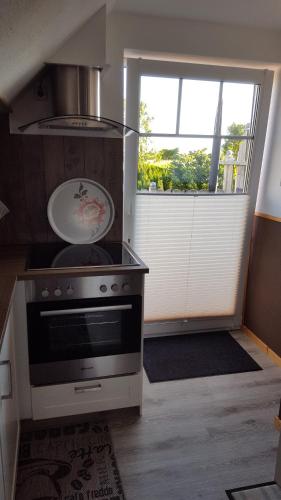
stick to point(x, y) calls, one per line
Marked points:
point(84, 339)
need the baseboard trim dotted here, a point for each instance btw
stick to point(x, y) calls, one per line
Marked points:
point(268, 216)
point(277, 423)
point(271, 354)
point(275, 358)
point(262, 346)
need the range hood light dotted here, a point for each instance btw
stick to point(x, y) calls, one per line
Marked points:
point(89, 123)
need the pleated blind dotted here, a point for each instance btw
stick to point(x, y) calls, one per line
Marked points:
point(193, 246)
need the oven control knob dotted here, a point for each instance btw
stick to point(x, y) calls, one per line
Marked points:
point(103, 288)
point(69, 290)
point(45, 293)
point(58, 292)
point(126, 287)
point(114, 287)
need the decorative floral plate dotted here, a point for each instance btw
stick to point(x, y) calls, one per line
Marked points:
point(80, 211)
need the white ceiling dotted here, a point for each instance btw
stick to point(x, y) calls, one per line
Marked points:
point(258, 13)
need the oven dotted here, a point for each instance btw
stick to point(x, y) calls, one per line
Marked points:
point(94, 332)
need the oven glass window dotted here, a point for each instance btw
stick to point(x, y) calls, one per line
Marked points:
point(91, 331)
point(90, 328)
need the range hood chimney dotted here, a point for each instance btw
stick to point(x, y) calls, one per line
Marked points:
point(76, 102)
point(76, 90)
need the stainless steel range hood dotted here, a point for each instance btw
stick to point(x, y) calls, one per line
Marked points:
point(76, 102)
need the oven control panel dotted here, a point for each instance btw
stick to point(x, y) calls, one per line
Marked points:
point(57, 288)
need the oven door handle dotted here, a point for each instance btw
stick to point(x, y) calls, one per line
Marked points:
point(62, 312)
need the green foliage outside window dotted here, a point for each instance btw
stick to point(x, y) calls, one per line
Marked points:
point(176, 171)
point(232, 144)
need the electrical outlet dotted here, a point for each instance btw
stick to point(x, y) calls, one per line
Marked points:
point(40, 92)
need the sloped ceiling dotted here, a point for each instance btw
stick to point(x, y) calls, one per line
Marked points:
point(31, 31)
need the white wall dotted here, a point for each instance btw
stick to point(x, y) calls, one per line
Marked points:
point(198, 38)
point(32, 30)
point(269, 195)
point(212, 42)
point(87, 45)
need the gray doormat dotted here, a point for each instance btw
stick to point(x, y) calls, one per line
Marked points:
point(74, 462)
point(266, 491)
point(195, 355)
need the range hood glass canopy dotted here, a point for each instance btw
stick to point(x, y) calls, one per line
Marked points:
point(76, 101)
point(97, 124)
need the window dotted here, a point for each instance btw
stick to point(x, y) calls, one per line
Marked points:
point(196, 166)
point(196, 135)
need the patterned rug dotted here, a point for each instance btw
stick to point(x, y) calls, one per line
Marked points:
point(74, 462)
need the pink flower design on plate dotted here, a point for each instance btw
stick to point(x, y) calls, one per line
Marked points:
point(91, 211)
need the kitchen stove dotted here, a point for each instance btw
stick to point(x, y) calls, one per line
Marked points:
point(84, 327)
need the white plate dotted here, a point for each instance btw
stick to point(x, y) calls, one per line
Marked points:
point(82, 255)
point(80, 211)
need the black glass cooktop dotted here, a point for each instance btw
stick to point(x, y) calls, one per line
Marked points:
point(61, 255)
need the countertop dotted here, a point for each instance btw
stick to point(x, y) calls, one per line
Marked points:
point(13, 268)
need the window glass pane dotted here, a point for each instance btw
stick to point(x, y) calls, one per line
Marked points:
point(234, 159)
point(198, 106)
point(237, 108)
point(158, 104)
point(175, 165)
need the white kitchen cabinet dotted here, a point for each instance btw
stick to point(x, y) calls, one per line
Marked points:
point(9, 415)
point(90, 396)
point(2, 492)
point(21, 344)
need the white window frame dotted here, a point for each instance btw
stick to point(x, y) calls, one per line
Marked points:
point(216, 136)
point(139, 67)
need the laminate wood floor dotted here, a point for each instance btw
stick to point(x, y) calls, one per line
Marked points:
point(198, 437)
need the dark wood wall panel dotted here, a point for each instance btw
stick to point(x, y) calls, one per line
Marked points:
point(94, 159)
point(53, 155)
point(263, 298)
point(34, 186)
point(113, 156)
point(31, 167)
point(73, 157)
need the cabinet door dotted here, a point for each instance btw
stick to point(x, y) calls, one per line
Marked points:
point(9, 418)
point(277, 477)
point(2, 493)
